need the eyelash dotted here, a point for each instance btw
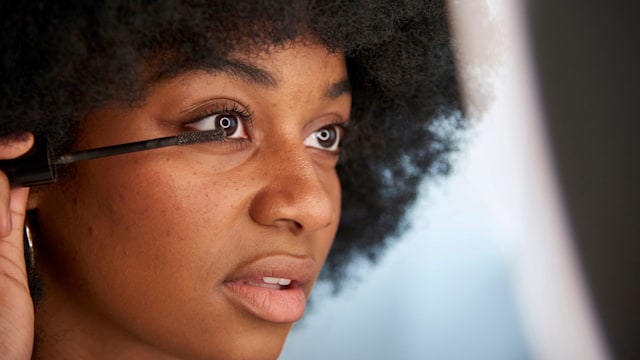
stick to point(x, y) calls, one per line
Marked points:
point(243, 111)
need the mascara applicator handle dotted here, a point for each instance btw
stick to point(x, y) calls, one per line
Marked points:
point(32, 168)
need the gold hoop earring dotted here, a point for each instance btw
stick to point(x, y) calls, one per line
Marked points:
point(29, 256)
point(30, 236)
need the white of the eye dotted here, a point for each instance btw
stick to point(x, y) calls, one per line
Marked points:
point(205, 124)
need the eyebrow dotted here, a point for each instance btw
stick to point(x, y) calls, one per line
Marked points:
point(341, 87)
point(250, 73)
point(257, 76)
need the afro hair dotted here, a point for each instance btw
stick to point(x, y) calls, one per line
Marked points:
point(61, 59)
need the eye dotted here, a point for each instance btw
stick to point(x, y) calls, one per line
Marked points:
point(326, 138)
point(232, 124)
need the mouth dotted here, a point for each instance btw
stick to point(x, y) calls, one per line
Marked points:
point(272, 288)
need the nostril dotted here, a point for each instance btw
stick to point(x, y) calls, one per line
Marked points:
point(291, 225)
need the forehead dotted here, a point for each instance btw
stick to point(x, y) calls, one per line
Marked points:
point(293, 64)
point(282, 56)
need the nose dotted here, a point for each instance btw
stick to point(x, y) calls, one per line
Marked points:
point(295, 194)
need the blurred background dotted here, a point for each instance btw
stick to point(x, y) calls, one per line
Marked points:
point(527, 251)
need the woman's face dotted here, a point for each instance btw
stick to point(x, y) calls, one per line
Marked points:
point(207, 250)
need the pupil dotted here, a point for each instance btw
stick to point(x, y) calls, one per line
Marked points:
point(229, 124)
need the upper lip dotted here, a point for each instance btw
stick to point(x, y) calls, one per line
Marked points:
point(301, 269)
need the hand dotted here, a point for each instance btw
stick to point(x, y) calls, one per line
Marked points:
point(16, 307)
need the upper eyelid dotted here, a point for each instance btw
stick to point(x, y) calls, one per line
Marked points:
point(214, 106)
point(343, 124)
point(216, 102)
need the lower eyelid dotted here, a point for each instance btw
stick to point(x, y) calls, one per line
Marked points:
point(231, 145)
point(237, 144)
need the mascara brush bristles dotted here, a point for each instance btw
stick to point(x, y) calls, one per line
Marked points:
point(186, 138)
point(194, 137)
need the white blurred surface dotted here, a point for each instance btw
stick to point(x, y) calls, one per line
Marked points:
point(443, 291)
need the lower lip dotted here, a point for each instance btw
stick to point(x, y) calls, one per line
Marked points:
point(281, 306)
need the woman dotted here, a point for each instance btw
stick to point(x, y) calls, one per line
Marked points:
point(210, 250)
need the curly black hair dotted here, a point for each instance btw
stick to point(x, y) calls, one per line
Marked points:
point(61, 59)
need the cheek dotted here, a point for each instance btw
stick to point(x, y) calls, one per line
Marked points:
point(159, 212)
point(136, 228)
point(321, 244)
point(142, 244)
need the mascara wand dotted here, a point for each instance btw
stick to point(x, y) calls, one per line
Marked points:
point(38, 167)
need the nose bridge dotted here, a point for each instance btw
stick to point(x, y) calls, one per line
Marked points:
point(293, 161)
point(293, 193)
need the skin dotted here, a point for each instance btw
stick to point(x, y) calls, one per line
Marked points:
point(136, 250)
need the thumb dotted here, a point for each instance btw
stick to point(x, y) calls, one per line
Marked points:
point(12, 201)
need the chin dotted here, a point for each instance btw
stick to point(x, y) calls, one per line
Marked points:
point(264, 341)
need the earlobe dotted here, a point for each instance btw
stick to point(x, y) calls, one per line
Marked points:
point(39, 195)
point(35, 194)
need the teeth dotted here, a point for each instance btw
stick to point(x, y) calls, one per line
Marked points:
point(278, 281)
point(270, 280)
